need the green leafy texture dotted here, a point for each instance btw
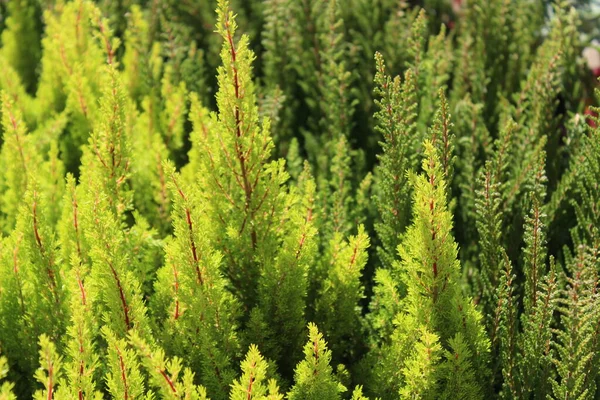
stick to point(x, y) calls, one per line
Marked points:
point(21, 45)
point(357, 394)
point(82, 360)
point(158, 108)
point(50, 370)
point(10, 82)
point(138, 61)
point(336, 102)
point(277, 41)
point(314, 377)
point(120, 301)
point(428, 255)
point(489, 220)
point(306, 57)
point(18, 333)
point(283, 282)
point(540, 295)
point(495, 48)
point(535, 343)
point(339, 169)
point(123, 376)
point(442, 138)
point(326, 83)
point(533, 112)
point(76, 44)
point(504, 332)
point(203, 124)
point(106, 160)
point(434, 73)
point(587, 199)
point(235, 169)
point(575, 345)
point(473, 147)
point(44, 276)
point(33, 296)
point(148, 176)
point(74, 244)
point(573, 151)
point(434, 303)
point(397, 28)
point(117, 272)
point(534, 253)
point(18, 158)
point(396, 122)
point(384, 305)
point(173, 112)
point(417, 41)
point(340, 210)
point(335, 192)
point(253, 384)
point(165, 373)
point(106, 178)
point(7, 387)
point(337, 309)
point(458, 369)
point(419, 372)
point(521, 100)
point(260, 225)
point(191, 295)
point(294, 159)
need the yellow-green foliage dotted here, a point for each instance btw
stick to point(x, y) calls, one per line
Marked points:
point(189, 189)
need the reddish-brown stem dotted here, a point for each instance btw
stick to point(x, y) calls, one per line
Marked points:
point(316, 353)
point(81, 363)
point(38, 240)
point(188, 217)
point(50, 380)
point(354, 252)
point(17, 276)
point(81, 288)
point(123, 372)
point(238, 123)
point(76, 225)
point(433, 234)
point(163, 188)
point(303, 238)
point(536, 221)
point(172, 122)
point(168, 379)
point(121, 295)
point(249, 390)
point(109, 50)
point(14, 123)
point(176, 277)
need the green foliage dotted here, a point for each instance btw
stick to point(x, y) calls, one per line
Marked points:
point(576, 345)
point(434, 316)
point(314, 376)
point(182, 204)
point(50, 369)
point(6, 388)
point(191, 285)
point(123, 376)
point(396, 122)
point(252, 384)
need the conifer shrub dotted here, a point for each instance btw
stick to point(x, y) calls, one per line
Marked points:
point(299, 199)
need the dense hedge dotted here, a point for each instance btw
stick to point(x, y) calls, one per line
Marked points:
point(354, 199)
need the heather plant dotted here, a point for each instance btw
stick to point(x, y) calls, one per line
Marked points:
point(299, 199)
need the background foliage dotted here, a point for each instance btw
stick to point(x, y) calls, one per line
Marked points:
point(301, 199)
